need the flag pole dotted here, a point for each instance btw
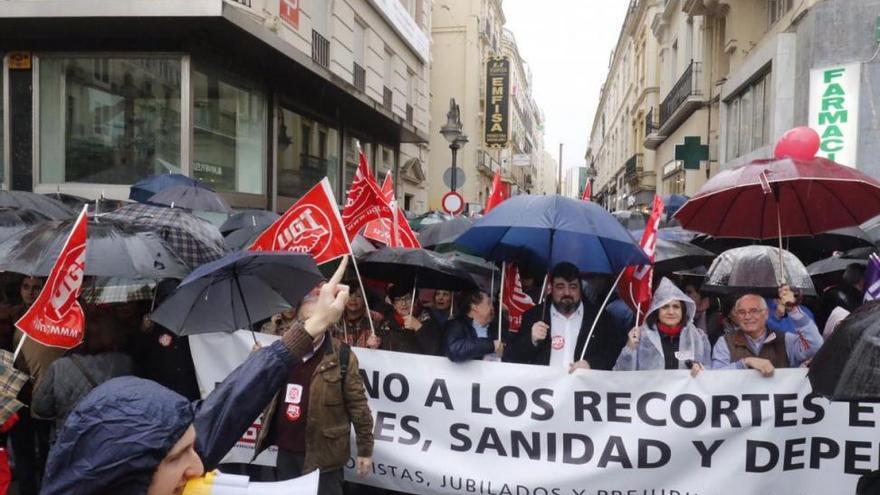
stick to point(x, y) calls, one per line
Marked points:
point(18, 348)
point(500, 298)
point(598, 314)
point(363, 291)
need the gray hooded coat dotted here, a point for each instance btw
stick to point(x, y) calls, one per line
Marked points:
point(649, 354)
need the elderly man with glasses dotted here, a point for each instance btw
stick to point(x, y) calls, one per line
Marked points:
point(753, 346)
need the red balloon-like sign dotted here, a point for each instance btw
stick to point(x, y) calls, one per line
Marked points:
point(800, 143)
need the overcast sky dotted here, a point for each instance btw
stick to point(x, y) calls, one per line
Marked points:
point(567, 44)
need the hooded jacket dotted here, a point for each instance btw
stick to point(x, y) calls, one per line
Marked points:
point(649, 353)
point(117, 436)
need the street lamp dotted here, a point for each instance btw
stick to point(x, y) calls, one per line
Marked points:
point(591, 175)
point(452, 132)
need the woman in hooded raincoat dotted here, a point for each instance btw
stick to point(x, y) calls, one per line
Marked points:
point(668, 339)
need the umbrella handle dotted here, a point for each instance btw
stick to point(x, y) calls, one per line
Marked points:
point(412, 303)
point(598, 314)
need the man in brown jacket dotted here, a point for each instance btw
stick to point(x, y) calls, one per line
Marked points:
point(310, 418)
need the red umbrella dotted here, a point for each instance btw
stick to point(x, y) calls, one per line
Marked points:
point(813, 196)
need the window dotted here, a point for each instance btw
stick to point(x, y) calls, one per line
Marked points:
point(307, 152)
point(388, 72)
point(748, 118)
point(229, 131)
point(776, 9)
point(359, 43)
point(108, 120)
point(352, 158)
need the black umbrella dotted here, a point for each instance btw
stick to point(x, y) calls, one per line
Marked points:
point(243, 228)
point(70, 200)
point(631, 220)
point(756, 269)
point(847, 366)
point(833, 264)
point(671, 256)
point(13, 220)
point(807, 248)
point(113, 249)
point(484, 273)
point(248, 219)
point(196, 241)
point(439, 234)
point(233, 292)
point(191, 197)
point(426, 269)
point(56, 210)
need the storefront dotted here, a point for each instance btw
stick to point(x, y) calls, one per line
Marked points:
point(92, 104)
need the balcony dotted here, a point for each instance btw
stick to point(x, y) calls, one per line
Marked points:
point(486, 164)
point(409, 114)
point(360, 77)
point(320, 49)
point(652, 137)
point(683, 99)
point(632, 167)
point(387, 99)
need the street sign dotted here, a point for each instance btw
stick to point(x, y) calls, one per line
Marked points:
point(522, 160)
point(453, 203)
point(460, 177)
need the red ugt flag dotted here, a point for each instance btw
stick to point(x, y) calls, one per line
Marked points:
point(515, 300)
point(588, 192)
point(382, 230)
point(312, 225)
point(365, 201)
point(497, 194)
point(56, 319)
point(635, 284)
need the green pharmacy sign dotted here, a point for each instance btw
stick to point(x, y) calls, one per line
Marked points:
point(834, 111)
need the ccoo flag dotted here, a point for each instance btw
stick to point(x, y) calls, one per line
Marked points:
point(56, 319)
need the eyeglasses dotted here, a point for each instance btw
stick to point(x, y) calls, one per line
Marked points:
point(402, 299)
point(751, 312)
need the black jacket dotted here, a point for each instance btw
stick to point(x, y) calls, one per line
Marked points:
point(602, 351)
point(462, 343)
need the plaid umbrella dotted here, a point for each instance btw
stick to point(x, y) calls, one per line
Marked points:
point(104, 290)
point(196, 241)
point(11, 381)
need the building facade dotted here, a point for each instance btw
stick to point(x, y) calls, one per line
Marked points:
point(259, 98)
point(466, 35)
point(812, 63)
point(625, 168)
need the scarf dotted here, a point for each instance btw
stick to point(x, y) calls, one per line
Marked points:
point(672, 331)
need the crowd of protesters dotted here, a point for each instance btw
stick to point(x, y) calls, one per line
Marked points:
point(315, 395)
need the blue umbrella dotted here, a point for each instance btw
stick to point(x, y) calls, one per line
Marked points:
point(231, 293)
point(672, 202)
point(144, 189)
point(542, 231)
point(190, 197)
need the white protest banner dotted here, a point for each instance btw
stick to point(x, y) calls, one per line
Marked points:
point(502, 429)
point(215, 356)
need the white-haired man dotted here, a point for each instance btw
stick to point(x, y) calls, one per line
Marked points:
point(753, 346)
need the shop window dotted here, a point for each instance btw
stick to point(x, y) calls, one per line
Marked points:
point(308, 151)
point(229, 130)
point(108, 120)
